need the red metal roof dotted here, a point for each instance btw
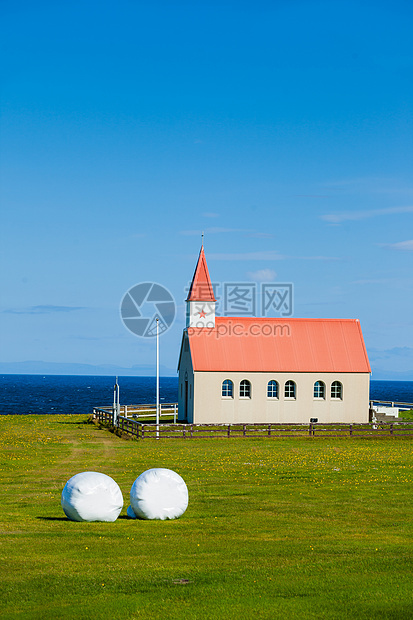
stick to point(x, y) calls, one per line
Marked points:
point(201, 287)
point(240, 344)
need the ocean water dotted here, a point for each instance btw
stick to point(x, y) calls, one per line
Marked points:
point(54, 394)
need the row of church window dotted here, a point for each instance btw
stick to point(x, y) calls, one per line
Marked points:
point(290, 389)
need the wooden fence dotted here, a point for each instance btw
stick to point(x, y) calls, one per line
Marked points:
point(144, 411)
point(203, 431)
point(391, 404)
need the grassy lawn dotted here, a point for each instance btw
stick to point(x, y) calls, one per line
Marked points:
point(406, 415)
point(290, 528)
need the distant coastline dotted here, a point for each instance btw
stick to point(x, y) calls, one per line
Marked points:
point(32, 367)
point(89, 370)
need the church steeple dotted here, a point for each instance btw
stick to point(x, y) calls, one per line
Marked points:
point(200, 303)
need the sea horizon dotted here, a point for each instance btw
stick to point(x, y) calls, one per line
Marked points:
point(42, 394)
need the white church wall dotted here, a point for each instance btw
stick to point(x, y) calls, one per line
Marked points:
point(211, 407)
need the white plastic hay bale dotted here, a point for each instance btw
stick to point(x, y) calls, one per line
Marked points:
point(159, 493)
point(91, 496)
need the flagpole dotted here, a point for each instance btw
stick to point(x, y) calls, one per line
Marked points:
point(157, 378)
point(116, 403)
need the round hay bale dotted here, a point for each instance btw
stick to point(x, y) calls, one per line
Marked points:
point(91, 496)
point(159, 493)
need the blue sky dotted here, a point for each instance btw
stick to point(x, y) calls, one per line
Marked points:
point(281, 129)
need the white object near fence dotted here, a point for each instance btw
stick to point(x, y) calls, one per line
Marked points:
point(91, 496)
point(393, 411)
point(158, 493)
point(116, 403)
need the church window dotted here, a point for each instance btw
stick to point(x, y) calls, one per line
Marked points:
point(272, 389)
point(228, 388)
point(245, 389)
point(336, 390)
point(289, 389)
point(319, 390)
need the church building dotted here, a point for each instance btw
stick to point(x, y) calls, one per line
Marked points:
point(268, 370)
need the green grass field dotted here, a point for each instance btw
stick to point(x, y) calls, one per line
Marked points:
point(406, 415)
point(290, 528)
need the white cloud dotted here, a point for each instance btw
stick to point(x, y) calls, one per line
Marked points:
point(212, 231)
point(45, 309)
point(266, 255)
point(401, 245)
point(262, 275)
point(343, 216)
point(368, 185)
point(373, 281)
point(217, 230)
point(260, 235)
point(402, 353)
point(316, 257)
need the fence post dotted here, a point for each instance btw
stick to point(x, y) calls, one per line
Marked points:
point(244, 430)
point(229, 430)
point(126, 411)
point(174, 413)
point(269, 429)
point(191, 431)
point(183, 433)
point(143, 431)
point(310, 429)
point(351, 429)
point(391, 429)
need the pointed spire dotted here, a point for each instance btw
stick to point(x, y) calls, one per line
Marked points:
point(201, 287)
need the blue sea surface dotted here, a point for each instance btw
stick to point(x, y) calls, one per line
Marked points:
point(393, 391)
point(55, 394)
